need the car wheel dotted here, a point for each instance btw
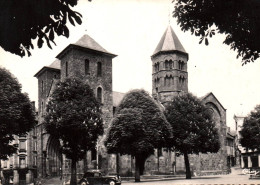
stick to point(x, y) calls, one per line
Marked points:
point(112, 183)
point(83, 183)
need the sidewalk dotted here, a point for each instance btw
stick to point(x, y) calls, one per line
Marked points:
point(152, 177)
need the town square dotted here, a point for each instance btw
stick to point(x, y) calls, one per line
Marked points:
point(121, 92)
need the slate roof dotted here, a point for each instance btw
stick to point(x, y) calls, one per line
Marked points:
point(169, 42)
point(55, 64)
point(117, 97)
point(87, 43)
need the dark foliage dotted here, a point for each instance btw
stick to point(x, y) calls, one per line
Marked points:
point(74, 117)
point(250, 132)
point(194, 130)
point(239, 20)
point(138, 128)
point(24, 20)
point(17, 115)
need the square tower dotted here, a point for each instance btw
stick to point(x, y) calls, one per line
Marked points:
point(89, 61)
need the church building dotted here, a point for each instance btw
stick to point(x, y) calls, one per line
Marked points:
point(89, 61)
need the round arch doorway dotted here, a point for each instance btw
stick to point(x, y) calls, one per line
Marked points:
point(54, 157)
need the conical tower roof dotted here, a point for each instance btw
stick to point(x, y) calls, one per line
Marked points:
point(169, 42)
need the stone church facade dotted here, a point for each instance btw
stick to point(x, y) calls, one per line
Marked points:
point(170, 78)
point(89, 61)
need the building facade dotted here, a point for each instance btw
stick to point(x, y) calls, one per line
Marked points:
point(89, 61)
point(246, 158)
point(86, 60)
point(21, 167)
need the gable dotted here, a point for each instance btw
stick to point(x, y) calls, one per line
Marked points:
point(210, 97)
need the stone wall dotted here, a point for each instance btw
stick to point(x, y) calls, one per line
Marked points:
point(210, 163)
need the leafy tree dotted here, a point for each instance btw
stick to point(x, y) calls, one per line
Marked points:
point(24, 20)
point(74, 117)
point(239, 20)
point(16, 112)
point(138, 127)
point(194, 131)
point(251, 130)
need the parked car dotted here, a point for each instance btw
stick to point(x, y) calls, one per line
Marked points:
point(95, 177)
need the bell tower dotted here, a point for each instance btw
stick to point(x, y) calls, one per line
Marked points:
point(169, 60)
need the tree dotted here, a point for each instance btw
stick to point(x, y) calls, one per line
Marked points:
point(16, 113)
point(239, 20)
point(250, 133)
point(22, 21)
point(138, 127)
point(74, 117)
point(194, 131)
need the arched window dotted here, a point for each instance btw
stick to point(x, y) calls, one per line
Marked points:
point(42, 108)
point(42, 86)
point(66, 69)
point(182, 65)
point(99, 69)
point(168, 80)
point(170, 64)
point(99, 94)
point(166, 64)
point(171, 80)
point(86, 67)
point(156, 67)
point(181, 80)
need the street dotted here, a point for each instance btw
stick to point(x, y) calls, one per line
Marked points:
point(236, 177)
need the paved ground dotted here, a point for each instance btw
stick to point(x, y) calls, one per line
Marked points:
point(236, 177)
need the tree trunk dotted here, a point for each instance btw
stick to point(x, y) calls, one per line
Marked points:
point(137, 169)
point(158, 161)
point(142, 162)
point(85, 161)
point(117, 165)
point(1, 178)
point(187, 165)
point(73, 178)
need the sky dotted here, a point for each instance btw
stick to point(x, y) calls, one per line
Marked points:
point(132, 29)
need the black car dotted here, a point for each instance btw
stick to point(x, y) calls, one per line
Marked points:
point(95, 177)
